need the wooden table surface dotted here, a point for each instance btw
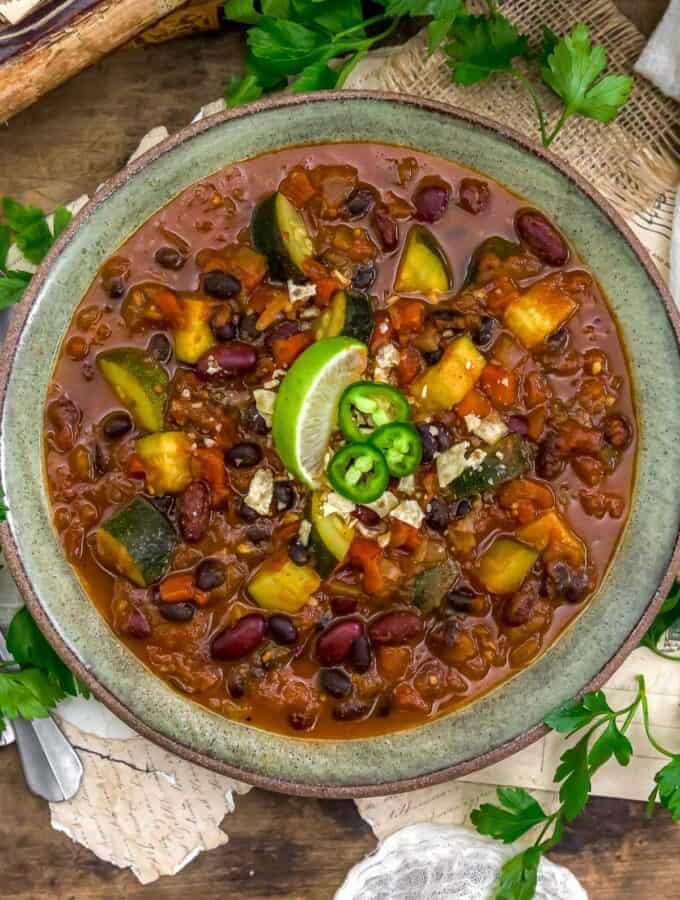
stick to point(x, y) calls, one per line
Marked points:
point(278, 846)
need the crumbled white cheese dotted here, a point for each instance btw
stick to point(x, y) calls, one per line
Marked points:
point(304, 532)
point(264, 402)
point(383, 539)
point(312, 312)
point(260, 492)
point(335, 504)
point(384, 376)
point(384, 504)
point(452, 462)
point(490, 429)
point(407, 485)
point(409, 511)
point(298, 292)
point(387, 357)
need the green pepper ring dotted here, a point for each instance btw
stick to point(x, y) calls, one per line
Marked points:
point(395, 407)
point(400, 444)
point(359, 473)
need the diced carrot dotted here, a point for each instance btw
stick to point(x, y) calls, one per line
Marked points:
point(325, 283)
point(286, 350)
point(382, 330)
point(135, 467)
point(409, 366)
point(474, 403)
point(403, 535)
point(499, 384)
point(365, 555)
point(525, 489)
point(297, 187)
point(177, 588)
point(278, 304)
point(213, 263)
point(407, 315)
point(246, 264)
point(537, 419)
point(393, 661)
point(170, 306)
point(405, 696)
point(208, 463)
point(201, 598)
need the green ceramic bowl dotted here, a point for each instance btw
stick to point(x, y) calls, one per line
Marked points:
point(510, 716)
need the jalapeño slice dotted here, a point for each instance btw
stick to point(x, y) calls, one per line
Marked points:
point(400, 444)
point(368, 405)
point(359, 473)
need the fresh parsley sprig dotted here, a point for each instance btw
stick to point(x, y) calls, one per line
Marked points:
point(604, 738)
point(41, 680)
point(667, 616)
point(27, 227)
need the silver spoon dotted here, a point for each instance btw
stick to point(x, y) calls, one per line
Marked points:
point(52, 768)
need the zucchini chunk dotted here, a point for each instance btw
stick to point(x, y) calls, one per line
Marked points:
point(194, 337)
point(136, 541)
point(507, 459)
point(284, 587)
point(349, 314)
point(539, 311)
point(279, 231)
point(505, 565)
point(489, 257)
point(428, 589)
point(446, 383)
point(423, 267)
point(330, 537)
point(166, 457)
point(140, 382)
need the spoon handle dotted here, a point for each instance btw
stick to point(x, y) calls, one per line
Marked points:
point(52, 768)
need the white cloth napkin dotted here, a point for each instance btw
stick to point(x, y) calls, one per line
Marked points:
point(660, 60)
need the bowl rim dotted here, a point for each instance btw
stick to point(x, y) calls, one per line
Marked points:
point(10, 549)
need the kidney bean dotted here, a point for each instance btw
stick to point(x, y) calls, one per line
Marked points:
point(137, 625)
point(549, 463)
point(280, 331)
point(473, 195)
point(193, 510)
point(160, 347)
point(282, 629)
point(343, 604)
point(244, 455)
point(519, 425)
point(395, 628)
point(364, 276)
point(617, 432)
point(221, 284)
point(65, 416)
point(260, 531)
point(209, 574)
point(431, 202)
point(334, 645)
point(298, 552)
point(169, 258)
point(570, 584)
point(518, 608)
point(350, 710)
point(116, 425)
point(233, 358)
point(541, 237)
point(240, 639)
point(177, 612)
point(360, 654)
point(387, 228)
point(366, 516)
point(247, 328)
point(359, 202)
point(437, 514)
point(284, 495)
point(336, 683)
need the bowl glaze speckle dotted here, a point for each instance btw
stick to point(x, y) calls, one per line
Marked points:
point(509, 717)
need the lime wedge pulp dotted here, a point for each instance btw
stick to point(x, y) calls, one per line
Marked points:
point(306, 408)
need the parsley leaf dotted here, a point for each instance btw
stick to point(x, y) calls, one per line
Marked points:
point(29, 647)
point(519, 815)
point(288, 47)
point(12, 287)
point(668, 782)
point(243, 90)
point(610, 743)
point(5, 244)
point(576, 714)
point(61, 220)
point(31, 231)
point(518, 876)
point(572, 71)
point(550, 41)
point(482, 46)
point(575, 777)
point(667, 616)
point(317, 77)
point(28, 693)
point(4, 509)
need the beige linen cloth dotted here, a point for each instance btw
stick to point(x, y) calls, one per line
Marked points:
point(634, 163)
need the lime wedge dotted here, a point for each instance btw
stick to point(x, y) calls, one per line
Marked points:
point(306, 408)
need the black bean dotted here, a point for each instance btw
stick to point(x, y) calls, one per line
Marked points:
point(460, 509)
point(115, 287)
point(160, 347)
point(350, 710)
point(244, 455)
point(282, 629)
point(164, 504)
point(298, 552)
point(359, 202)
point(221, 284)
point(443, 438)
point(336, 682)
point(116, 425)
point(360, 655)
point(364, 276)
point(209, 574)
point(484, 331)
point(559, 338)
point(169, 258)
point(437, 514)
point(570, 584)
point(519, 425)
point(247, 330)
point(101, 459)
point(284, 495)
point(432, 357)
point(247, 513)
point(431, 201)
point(279, 331)
point(253, 421)
point(177, 612)
point(260, 531)
point(461, 599)
point(427, 439)
point(221, 325)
